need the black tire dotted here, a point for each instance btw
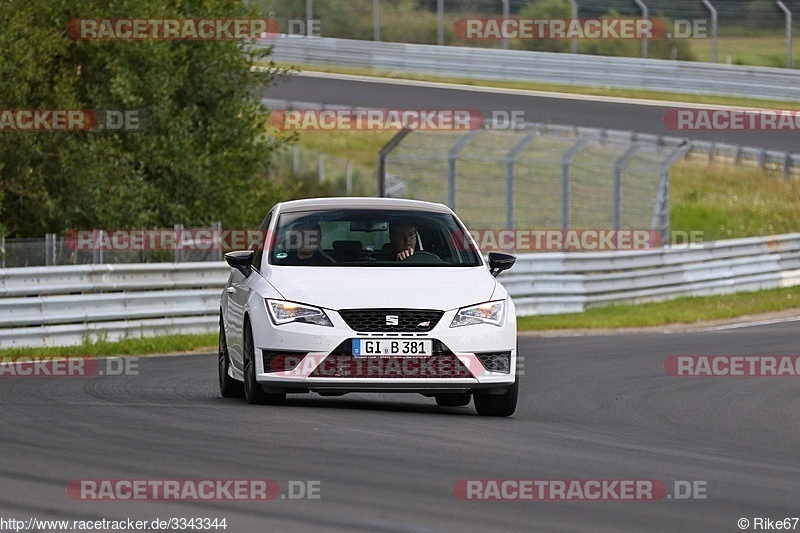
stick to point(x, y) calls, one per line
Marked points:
point(498, 404)
point(457, 399)
point(253, 392)
point(228, 387)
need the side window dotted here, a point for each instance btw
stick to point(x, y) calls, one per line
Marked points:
point(260, 242)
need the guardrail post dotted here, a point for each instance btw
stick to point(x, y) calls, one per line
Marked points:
point(3, 251)
point(376, 20)
point(788, 32)
point(321, 167)
point(382, 153)
point(348, 172)
point(440, 22)
point(452, 158)
point(511, 161)
point(618, 165)
point(574, 14)
point(296, 160)
point(714, 28)
point(645, 16)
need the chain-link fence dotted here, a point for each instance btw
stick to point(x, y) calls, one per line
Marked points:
point(337, 176)
point(178, 244)
point(541, 177)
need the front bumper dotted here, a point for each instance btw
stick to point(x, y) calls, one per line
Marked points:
point(299, 357)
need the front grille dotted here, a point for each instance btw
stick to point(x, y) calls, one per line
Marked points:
point(408, 320)
point(434, 366)
point(496, 361)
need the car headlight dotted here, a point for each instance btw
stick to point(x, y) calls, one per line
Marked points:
point(486, 313)
point(283, 312)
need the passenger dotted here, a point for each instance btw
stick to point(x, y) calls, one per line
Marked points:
point(304, 247)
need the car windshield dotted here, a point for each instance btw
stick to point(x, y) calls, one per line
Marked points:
point(350, 237)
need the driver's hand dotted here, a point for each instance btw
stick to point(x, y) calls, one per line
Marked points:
point(405, 254)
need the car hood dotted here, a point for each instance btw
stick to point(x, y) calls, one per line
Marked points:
point(384, 287)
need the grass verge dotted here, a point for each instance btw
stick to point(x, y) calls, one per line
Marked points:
point(133, 346)
point(728, 202)
point(686, 310)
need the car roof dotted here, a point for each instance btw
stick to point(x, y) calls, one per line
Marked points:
point(314, 204)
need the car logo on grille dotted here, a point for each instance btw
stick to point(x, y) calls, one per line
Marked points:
point(392, 320)
point(424, 324)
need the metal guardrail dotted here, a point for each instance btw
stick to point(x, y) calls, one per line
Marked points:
point(544, 67)
point(62, 305)
point(572, 282)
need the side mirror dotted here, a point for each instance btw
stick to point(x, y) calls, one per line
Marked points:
point(499, 262)
point(241, 261)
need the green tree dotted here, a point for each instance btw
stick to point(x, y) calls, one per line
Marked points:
point(541, 10)
point(202, 155)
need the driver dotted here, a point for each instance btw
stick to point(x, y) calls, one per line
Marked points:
point(403, 236)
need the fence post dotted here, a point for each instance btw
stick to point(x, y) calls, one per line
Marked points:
point(506, 16)
point(295, 160)
point(618, 166)
point(349, 177)
point(714, 28)
point(3, 250)
point(217, 227)
point(382, 153)
point(99, 243)
point(452, 159)
point(660, 219)
point(788, 32)
point(376, 20)
point(574, 14)
point(645, 16)
point(565, 162)
point(178, 255)
point(309, 16)
point(440, 22)
point(787, 163)
point(511, 161)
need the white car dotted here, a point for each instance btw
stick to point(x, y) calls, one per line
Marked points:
point(342, 295)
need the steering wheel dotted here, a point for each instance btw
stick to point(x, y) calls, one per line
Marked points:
point(422, 257)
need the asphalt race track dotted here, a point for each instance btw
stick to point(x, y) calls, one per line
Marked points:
point(591, 407)
point(556, 109)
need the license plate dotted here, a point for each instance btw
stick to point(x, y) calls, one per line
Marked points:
point(384, 347)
